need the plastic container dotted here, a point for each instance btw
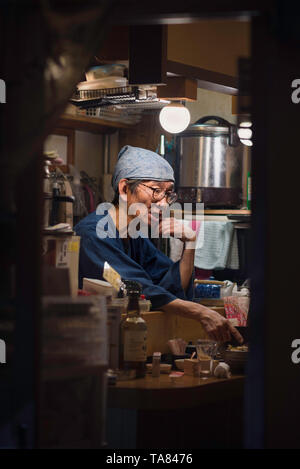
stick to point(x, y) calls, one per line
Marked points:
point(207, 291)
point(103, 71)
point(144, 304)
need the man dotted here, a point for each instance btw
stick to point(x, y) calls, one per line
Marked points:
point(143, 182)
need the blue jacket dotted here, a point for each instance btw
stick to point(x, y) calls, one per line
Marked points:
point(139, 260)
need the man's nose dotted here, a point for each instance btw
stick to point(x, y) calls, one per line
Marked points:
point(163, 202)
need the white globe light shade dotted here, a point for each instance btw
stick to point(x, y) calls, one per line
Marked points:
point(174, 118)
point(245, 133)
point(249, 143)
point(246, 124)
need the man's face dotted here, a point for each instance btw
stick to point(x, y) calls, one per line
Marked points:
point(147, 193)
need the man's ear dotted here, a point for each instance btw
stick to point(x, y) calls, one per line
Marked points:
point(123, 189)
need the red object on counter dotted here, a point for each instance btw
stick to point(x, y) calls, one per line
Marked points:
point(84, 293)
point(237, 307)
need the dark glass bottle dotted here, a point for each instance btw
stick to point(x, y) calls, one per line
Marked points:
point(133, 334)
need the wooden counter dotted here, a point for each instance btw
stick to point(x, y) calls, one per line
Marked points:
point(171, 393)
point(183, 412)
point(163, 326)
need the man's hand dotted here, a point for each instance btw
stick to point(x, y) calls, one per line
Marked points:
point(218, 327)
point(215, 325)
point(177, 229)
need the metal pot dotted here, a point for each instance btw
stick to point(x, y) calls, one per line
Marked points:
point(210, 163)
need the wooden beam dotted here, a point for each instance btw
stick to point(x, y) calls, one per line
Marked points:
point(178, 88)
point(176, 11)
point(147, 55)
point(89, 124)
point(206, 79)
point(115, 46)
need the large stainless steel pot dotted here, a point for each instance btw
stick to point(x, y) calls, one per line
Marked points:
point(210, 163)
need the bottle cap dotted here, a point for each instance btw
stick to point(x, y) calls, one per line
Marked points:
point(133, 287)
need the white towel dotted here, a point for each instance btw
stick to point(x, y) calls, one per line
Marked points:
point(233, 255)
point(216, 247)
point(220, 248)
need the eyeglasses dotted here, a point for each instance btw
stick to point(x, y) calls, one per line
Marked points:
point(159, 194)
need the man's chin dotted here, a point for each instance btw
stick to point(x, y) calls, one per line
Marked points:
point(153, 219)
point(153, 223)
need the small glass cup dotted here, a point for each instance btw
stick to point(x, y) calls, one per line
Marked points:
point(206, 352)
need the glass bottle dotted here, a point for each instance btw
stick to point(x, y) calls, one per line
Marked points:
point(133, 334)
point(249, 191)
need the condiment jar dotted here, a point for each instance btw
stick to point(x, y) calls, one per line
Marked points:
point(156, 364)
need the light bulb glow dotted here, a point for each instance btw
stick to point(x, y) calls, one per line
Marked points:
point(245, 133)
point(249, 143)
point(174, 118)
point(246, 124)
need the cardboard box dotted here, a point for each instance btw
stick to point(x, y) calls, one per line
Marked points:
point(98, 287)
point(62, 251)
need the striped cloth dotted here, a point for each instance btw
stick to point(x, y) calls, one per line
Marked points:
point(219, 248)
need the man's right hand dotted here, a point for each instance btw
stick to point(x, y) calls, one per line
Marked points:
point(215, 325)
point(218, 327)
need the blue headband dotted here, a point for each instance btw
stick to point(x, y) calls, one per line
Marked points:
point(138, 163)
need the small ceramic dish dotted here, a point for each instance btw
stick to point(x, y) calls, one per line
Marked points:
point(180, 364)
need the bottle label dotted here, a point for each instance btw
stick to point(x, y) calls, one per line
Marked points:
point(135, 346)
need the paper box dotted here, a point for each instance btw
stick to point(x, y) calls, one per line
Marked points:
point(62, 251)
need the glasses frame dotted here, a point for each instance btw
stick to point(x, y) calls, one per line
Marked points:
point(171, 194)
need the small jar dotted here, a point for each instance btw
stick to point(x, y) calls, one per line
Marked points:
point(156, 364)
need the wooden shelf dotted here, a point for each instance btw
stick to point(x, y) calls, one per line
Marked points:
point(227, 212)
point(90, 124)
point(216, 212)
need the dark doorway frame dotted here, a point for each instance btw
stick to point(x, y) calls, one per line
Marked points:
point(273, 384)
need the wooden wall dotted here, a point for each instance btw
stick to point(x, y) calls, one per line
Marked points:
point(146, 134)
point(213, 45)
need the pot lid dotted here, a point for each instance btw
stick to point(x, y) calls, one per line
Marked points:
point(206, 129)
point(218, 127)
